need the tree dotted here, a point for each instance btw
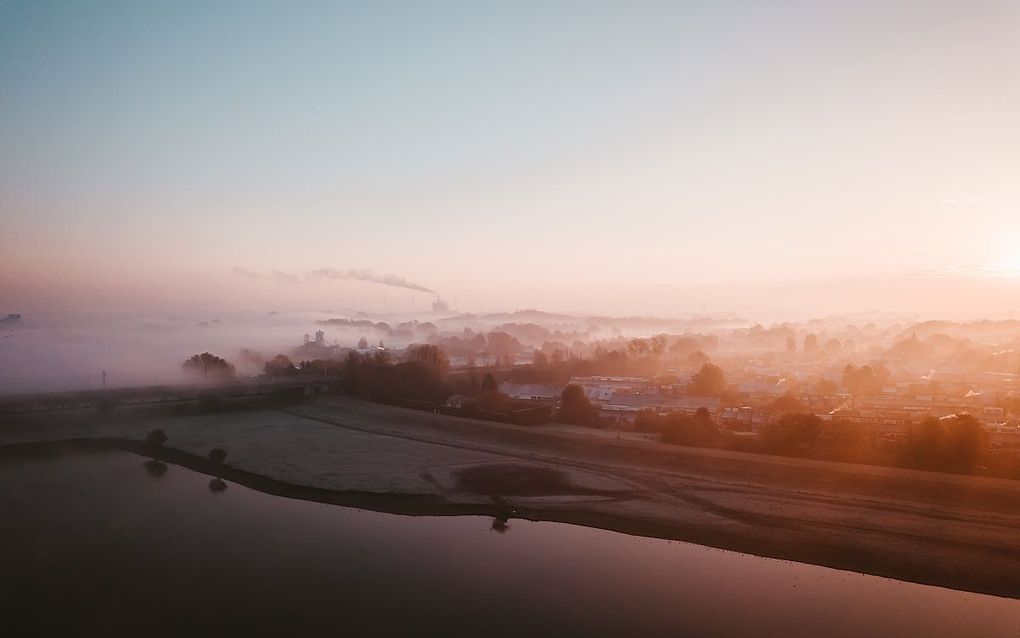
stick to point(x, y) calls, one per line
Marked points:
point(490, 398)
point(155, 439)
point(697, 430)
point(429, 356)
point(575, 407)
point(488, 383)
point(793, 434)
point(953, 444)
point(362, 343)
point(354, 375)
point(647, 420)
point(683, 346)
point(708, 382)
point(865, 380)
point(420, 378)
point(209, 367)
point(612, 363)
point(502, 345)
point(810, 343)
point(833, 347)
point(697, 359)
point(786, 403)
point(791, 344)
point(966, 441)
point(217, 456)
point(825, 386)
point(280, 365)
point(638, 347)
point(468, 386)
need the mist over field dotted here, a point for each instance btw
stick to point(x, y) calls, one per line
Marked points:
point(57, 351)
point(534, 318)
point(66, 341)
point(52, 351)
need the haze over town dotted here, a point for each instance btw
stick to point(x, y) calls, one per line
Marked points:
point(544, 318)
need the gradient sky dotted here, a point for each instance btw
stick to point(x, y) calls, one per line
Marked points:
point(607, 157)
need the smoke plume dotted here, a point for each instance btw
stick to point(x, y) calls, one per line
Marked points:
point(356, 274)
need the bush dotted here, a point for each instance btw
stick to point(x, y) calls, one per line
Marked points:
point(575, 407)
point(807, 435)
point(155, 468)
point(493, 401)
point(375, 377)
point(952, 444)
point(209, 367)
point(710, 381)
point(217, 456)
point(793, 435)
point(647, 420)
point(155, 439)
point(683, 429)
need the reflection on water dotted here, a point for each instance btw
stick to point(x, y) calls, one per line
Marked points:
point(155, 468)
point(501, 521)
point(87, 547)
point(500, 524)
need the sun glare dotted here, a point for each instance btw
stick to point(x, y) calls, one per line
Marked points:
point(1008, 265)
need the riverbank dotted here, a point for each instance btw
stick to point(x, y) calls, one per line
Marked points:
point(946, 530)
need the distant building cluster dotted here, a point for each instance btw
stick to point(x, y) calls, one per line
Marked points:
point(767, 374)
point(618, 399)
point(317, 348)
point(759, 400)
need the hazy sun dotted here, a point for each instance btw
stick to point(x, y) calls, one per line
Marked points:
point(1007, 266)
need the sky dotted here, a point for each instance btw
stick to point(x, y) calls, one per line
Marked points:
point(609, 157)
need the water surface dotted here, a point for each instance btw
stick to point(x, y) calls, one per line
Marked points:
point(101, 542)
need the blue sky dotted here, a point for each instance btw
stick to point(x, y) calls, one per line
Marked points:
point(514, 154)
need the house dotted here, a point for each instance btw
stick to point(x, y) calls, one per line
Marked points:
point(623, 408)
point(600, 389)
point(611, 382)
point(457, 401)
point(746, 418)
point(531, 391)
point(598, 394)
point(764, 388)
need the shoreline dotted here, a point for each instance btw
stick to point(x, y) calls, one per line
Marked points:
point(830, 555)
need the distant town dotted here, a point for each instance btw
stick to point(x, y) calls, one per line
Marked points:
point(934, 395)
